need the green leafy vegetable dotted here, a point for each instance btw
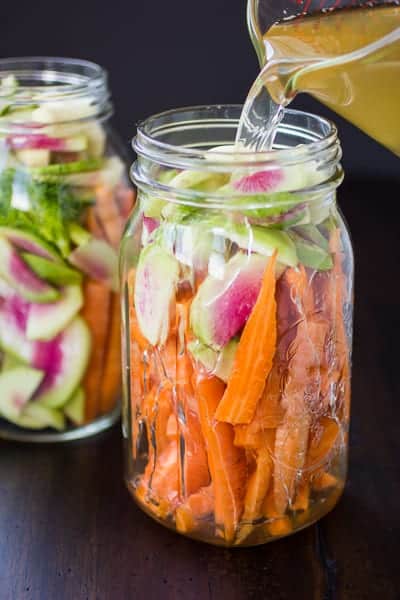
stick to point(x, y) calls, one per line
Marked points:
point(51, 207)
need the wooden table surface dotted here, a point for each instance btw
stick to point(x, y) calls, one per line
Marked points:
point(69, 529)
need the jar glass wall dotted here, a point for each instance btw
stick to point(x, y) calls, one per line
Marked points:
point(64, 200)
point(237, 293)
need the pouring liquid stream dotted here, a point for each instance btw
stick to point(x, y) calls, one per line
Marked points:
point(348, 59)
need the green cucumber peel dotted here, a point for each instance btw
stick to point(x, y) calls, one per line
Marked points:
point(56, 273)
point(80, 166)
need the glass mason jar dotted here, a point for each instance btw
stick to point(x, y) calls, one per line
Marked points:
point(237, 293)
point(64, 200)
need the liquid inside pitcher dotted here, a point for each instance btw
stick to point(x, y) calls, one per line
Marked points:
point(348, 59)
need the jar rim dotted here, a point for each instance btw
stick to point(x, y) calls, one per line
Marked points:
point(44, 79)
point(321, 155)
point(146, 144)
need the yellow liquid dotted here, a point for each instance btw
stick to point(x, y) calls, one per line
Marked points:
point(348, 59)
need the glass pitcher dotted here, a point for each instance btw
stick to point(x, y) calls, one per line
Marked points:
point(345, 54)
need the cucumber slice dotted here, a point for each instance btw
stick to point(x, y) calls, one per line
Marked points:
point(75, 407)
point(220, 363)
point(80, 166)
point(263, 241)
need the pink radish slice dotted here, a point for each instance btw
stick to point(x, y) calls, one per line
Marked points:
point(222, 306)
point(260, 182)
point(150, 224)
point(36, 141)
point(97, 259)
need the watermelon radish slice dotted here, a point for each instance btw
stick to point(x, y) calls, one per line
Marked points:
point(222, 306)
point(13, 318)
point(17, 387)
point(20, 277)
point(28, 242)
point(40, 141)
point(5, 290)
point(156, 280)
point(45, 321)
point(260, 182)
point(64, 361)
point(97, 259)
point(53, 272)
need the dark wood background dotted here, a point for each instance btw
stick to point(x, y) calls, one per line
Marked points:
point(70, 531)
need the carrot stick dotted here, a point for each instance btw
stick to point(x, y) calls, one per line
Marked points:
point(323, 481)
point(277, 525)
point(198, 506)
point(254, 355)
point(341, 335)
point(193, 456)
point(269, 415)
point(111, 382)
point(96, 312)
point(94, 225)
point(323, 440)
point(158, 488)
point(302, 500)
point(227, 463)
point(290, 452)
point(258, 484)
point(108, 214)
point(125, 199)
point(301, 392)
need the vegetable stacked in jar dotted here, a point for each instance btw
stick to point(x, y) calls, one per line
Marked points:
point(64, 200)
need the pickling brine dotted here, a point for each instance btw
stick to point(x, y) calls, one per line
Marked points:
point(348, 58)
point(237, 284)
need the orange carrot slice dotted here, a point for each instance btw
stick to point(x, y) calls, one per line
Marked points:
point(125, 199)
point(94, 225)
point(324, 480)
point(107, 212)
point(193, 456)
point(260, 479)
point(302, 500)
point(324, 438)
point(159, 486)
point(227, 462)
point(341, 335)
point(198, 507)
point(277, 525)
point(111, 382)
point(254, 355)
point(289, 453)
point(96, 312)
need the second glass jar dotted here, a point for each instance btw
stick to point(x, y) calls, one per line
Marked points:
point(64, 201)
point(237, 281)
